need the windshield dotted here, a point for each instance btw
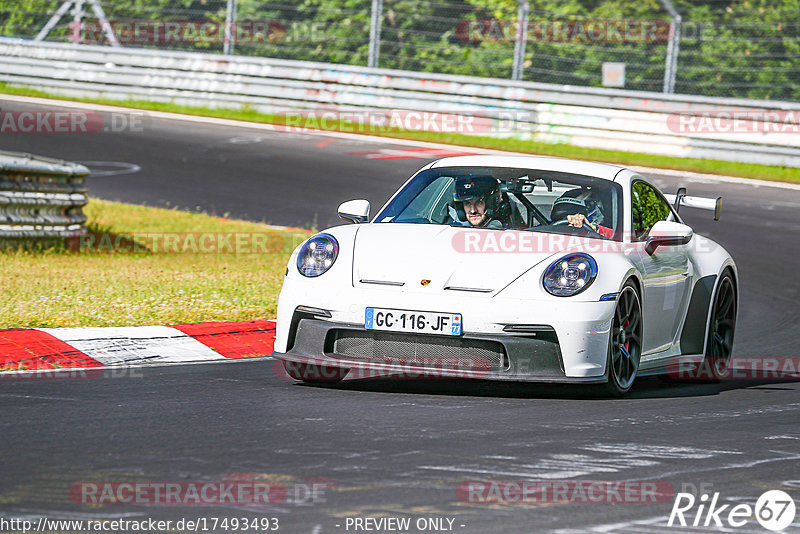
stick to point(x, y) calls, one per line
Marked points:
point(505, 198)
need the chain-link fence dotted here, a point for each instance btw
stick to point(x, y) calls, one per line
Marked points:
point(733, 48)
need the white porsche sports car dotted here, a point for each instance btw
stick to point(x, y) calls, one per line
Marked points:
point(519, 268)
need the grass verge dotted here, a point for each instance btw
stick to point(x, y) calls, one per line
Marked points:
point(148, 266)
point(727, 168)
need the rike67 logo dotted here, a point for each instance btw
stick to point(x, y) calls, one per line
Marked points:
point(774, 510)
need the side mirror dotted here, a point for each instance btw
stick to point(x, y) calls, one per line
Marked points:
point(354, 211)
point(667, 234)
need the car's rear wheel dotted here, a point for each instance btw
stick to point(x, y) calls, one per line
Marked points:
point(625, 342)
point(721, 327)
point(313, 373)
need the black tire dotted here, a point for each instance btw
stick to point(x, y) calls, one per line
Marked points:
point(624, 342)
point(721, 327)
point(313, 373)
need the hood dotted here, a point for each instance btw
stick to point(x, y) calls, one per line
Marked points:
point(478, 261)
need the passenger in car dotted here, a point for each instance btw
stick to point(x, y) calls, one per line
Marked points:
point(579, 207)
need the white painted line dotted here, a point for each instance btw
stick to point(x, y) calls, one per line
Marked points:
point(634, 450)
point(696, 469)
point(373, 138)
point(555, 466)
point(115, 168)
point(135, 344)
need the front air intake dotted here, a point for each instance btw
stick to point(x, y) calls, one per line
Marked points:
point(440, 352)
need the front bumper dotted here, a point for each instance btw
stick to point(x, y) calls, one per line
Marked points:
point(533, 356)
point(581, 327)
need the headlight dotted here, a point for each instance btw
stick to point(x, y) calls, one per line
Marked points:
point(570, 275)
point(317, 255)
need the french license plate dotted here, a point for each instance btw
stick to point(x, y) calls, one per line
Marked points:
point(447, 324)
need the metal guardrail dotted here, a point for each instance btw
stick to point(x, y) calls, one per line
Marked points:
point(588, 117)
point(41, 199)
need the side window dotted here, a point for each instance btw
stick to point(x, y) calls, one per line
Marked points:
point(425, 203)
point(648, 209)
point(439, 213)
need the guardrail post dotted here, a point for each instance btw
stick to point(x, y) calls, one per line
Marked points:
point(522, 38)
point(230, 28)
point(673, 46)
point(375, 33)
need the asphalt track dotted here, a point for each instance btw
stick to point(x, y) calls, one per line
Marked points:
point(393, 449)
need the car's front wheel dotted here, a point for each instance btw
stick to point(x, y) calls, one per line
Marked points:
point(625, 342)
point(313, 373)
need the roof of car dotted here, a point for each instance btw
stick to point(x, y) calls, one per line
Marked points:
point(547, 163)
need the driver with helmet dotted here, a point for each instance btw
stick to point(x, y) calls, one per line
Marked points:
point(479, 201)
point(579, 207)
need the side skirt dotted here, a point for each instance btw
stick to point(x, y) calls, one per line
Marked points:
point(693, 337)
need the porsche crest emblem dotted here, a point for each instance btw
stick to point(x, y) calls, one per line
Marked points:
point(424, 282)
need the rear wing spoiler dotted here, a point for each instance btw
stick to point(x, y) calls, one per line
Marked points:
point(682, 199)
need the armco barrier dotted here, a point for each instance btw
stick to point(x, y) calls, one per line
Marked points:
point(40, 198)
point(612, 119)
